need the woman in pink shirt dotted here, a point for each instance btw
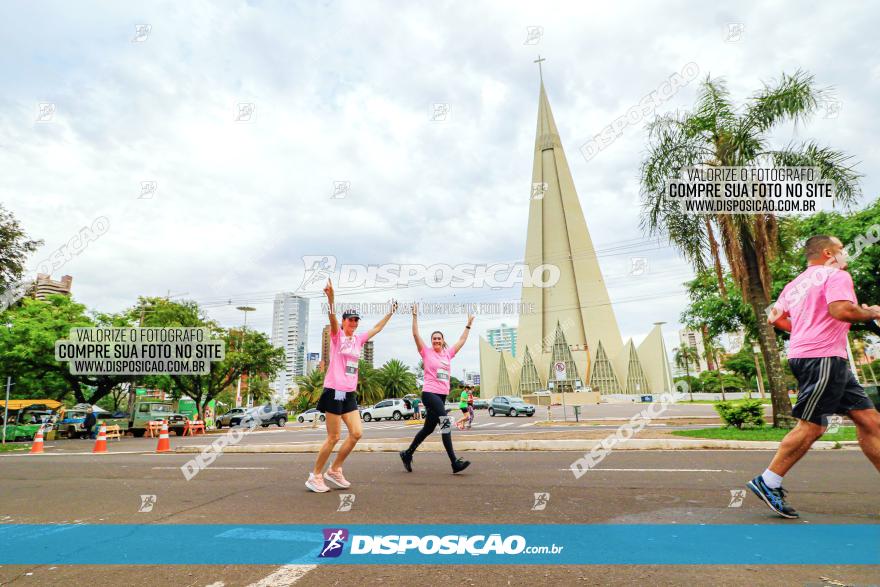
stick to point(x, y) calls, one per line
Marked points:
point(339, 398)
point(437, 359)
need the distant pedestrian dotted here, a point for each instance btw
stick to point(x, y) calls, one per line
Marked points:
point(89, 424)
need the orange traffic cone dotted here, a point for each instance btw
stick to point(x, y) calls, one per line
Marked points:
point(101, 441)
point(164, 443)
point(37, 446)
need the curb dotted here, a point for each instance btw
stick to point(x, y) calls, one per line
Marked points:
point(525, 445)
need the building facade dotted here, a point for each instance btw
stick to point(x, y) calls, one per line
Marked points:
point(45, 285)
point(290, 327)
point(502, 338)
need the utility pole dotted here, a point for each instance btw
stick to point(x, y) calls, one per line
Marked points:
point(6, 407)
point(755, 350)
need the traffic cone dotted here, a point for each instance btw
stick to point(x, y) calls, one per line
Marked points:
point(37, 446)
point(164, 443)
point(101, 441)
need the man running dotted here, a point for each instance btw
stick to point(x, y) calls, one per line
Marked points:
point(818, 307)
point(437, 359)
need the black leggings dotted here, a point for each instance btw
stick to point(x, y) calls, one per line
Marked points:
point(434, 410)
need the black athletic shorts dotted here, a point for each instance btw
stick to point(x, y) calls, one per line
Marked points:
point(328, 404)
point(826, 386)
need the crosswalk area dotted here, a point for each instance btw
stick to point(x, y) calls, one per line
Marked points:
point(491, 424)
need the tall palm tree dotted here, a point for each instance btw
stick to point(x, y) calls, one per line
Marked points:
point(711, 352)
point(310, 388)
point(397, 379)
point(716, 133)
point(369, 387)
point(683, 355)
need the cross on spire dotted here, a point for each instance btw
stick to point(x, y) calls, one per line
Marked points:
point(540, 72)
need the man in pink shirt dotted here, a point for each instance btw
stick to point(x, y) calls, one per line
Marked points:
point(818, 307)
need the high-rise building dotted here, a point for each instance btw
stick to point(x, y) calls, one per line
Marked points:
point(45, 285)
point(368, 353)
point(694, 339)
point(571, 340)
point(503, 338)
point(290, 328)
point(325, 347)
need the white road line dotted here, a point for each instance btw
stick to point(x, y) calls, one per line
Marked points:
point(526, 425)
point(481, 425)
point(222, 468)
point(663, 470)
point(284, 576)
point(503, 425)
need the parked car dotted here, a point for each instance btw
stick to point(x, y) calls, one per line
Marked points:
point(310, 415)
point(481, 404)
point(231, 418)
point(390, 409)
point(270, 414)
point(510, 406)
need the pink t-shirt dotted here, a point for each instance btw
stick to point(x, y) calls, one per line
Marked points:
point(342, 373)
point(437, 371)
point(814, 333)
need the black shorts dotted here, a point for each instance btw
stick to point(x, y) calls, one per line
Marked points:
point(327, 403)
point(463, 410)
point(826, 386)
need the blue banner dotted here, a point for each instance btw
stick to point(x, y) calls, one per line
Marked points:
point(586, 544)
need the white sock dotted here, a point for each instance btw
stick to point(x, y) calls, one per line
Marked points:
point(772, 480)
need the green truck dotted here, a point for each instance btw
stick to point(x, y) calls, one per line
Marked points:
point(147, 409)
point(24, 423)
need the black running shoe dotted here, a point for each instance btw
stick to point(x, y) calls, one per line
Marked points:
point(460, 465)
point(774, 498)
point(406, 457)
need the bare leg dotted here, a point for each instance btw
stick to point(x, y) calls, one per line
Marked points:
point(868, 430)
point(334, 423)
point(353, 423)
point(795, 445)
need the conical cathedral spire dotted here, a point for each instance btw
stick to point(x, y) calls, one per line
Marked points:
point(558, 238)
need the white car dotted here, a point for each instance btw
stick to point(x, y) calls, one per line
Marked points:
point(390, 409)
point(310, 415)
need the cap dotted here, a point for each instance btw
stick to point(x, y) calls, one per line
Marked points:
point(351, 313)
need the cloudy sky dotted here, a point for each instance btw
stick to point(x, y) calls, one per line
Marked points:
point(345, 92)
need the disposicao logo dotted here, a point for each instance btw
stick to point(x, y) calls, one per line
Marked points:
point(334, 540)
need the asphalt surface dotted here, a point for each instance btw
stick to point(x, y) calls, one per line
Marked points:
point(666, 487)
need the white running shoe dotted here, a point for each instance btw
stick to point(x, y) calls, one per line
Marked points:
point(316, 483)
point(337, 479)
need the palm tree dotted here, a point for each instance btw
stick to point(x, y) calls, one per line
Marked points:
point(310, 388)
point(717, 134)
point(396, 379)
point(683, 355)
point(711, 352)
point(369, 387)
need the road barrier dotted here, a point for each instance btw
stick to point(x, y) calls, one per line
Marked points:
point(101, 441)
point(164, 443)
point(37, 446)
point(193, 427)
point(114, 431)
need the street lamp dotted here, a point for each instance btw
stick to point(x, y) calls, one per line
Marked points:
point(756, 350)
point(244, 309)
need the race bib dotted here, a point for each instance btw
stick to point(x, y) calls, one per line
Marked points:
point(351, 367)
point(442, 375)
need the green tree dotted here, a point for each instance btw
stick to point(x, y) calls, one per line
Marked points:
point(712, 351)
point(717, 133)
point(310, 388)
point(369, 386)
point(683, 356)
point(715, 382)
point(27, 350)
point(259, 390)
point(396, 379)
point(15, 246)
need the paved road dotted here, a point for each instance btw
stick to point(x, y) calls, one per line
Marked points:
point(629, 487)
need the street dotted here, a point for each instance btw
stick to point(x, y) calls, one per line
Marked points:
point(629, 487)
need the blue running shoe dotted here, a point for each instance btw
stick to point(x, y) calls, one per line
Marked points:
point(774, 498)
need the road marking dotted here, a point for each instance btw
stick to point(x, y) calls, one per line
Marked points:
point(222, 468)
point(284, 576)
point(663, 470)
point(526, 425)
point(503, 425)
point(481, 425)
